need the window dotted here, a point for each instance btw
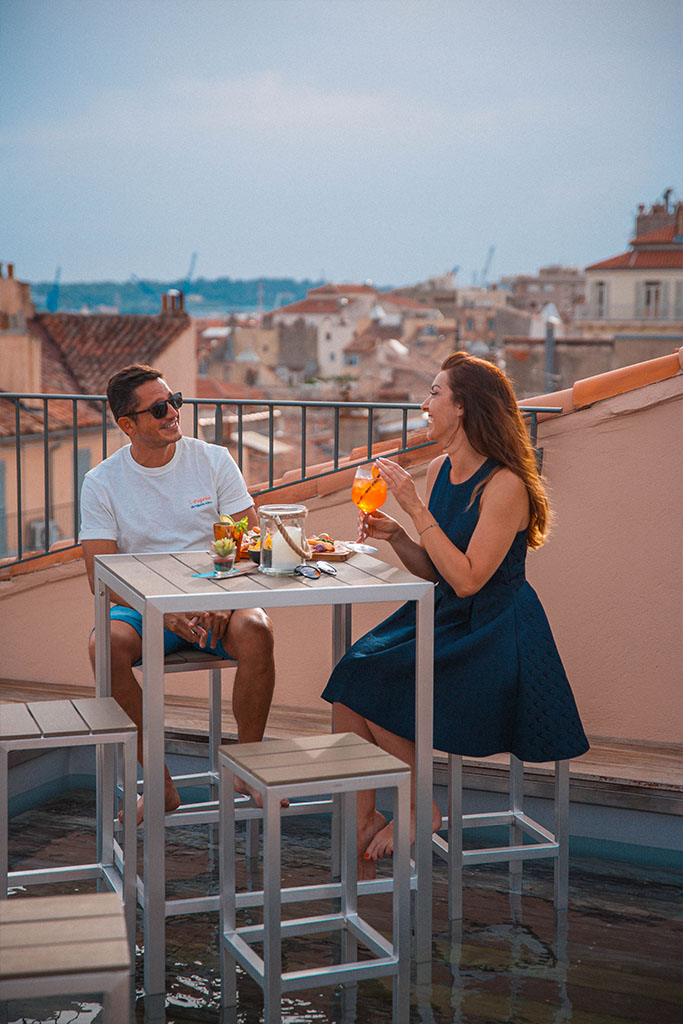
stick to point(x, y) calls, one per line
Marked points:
point(328, 335)
point(470, 323)
point(653, 298)
point(491, 324)
point(600, 299)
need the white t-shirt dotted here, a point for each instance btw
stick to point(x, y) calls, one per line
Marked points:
point(169, 508)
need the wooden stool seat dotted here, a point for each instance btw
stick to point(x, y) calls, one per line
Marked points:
point(90, 721)
point(341, 764)
point(57, 945)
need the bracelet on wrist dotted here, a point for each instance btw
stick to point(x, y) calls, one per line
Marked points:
point(420, 532)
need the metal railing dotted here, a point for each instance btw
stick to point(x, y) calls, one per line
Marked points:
point(657, 312)
point(42, 457)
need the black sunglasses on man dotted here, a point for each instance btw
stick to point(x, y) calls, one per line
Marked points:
point(159, 409)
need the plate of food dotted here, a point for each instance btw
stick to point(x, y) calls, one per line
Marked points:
point(324, 546)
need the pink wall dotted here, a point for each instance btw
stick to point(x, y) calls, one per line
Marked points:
point(611, 576)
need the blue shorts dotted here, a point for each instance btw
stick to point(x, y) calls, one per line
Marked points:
point(172, 642)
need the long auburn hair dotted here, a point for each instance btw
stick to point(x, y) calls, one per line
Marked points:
point(496, 429)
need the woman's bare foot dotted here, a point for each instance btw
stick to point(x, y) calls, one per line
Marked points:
point(367, 830)
point(382, 844)
point(171, 801)
point(242, 788)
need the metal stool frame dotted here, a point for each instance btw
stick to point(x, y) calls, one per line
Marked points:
point(35, 726)
point(389, 958)
point(545, 844)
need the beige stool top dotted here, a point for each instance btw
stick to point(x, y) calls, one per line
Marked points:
point(303, 759)
point(49, 935)
point(83, 717)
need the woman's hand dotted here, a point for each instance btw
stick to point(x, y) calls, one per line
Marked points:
point(378, 525)
point(401, 485)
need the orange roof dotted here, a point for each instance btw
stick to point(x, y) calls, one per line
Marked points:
point(89, 349)
point(343, 289)
point(657, 237)
point(318, 306)
point(209, 388)
point(648, 259)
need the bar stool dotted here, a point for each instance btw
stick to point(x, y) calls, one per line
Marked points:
point(63, 945)
point(340, 764)
point(91, 721)
point(188, 659)
point(545, 844)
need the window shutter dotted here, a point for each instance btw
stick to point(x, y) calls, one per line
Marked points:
point(678, 300)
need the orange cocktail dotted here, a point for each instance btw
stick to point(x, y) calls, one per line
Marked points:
point(369, 493)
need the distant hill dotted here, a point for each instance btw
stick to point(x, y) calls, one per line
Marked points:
point(202, 297)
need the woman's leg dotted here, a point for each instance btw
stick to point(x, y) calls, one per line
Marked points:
point(369, 819)
point(382, 842)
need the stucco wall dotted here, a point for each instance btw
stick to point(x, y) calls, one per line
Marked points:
point(610, 576)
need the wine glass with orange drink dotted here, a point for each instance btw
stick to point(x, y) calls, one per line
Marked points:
point(369, 491)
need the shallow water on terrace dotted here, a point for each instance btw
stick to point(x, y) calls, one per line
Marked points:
point(617, 962)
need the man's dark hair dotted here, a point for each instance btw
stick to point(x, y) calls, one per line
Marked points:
point(122, 386)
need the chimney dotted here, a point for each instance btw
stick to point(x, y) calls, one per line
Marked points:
point(678, 230)
point(1, 271)
point(164, 303)
point(10, 270)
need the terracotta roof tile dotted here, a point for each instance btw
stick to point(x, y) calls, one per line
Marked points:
point(365, 340)
point(343, 289)
point(318, 306)
point(92, 348)
point(209, 388)
point(667, 234)
point(655, 259)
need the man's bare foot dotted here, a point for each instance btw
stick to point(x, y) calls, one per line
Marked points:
point(382, 844)
point(246, 790)
point(171, 802)
point(367, 830)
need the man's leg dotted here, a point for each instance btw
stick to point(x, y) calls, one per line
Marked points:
point(250, 643)
point(126, 651)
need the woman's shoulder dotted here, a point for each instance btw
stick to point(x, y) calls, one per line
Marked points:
point(433, 469)
point(505, 488)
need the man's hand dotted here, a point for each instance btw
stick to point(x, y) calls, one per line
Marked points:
point(186, 626)
point(195, 629)
point(215, 623)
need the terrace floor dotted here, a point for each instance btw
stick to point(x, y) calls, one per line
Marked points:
point(615, 960)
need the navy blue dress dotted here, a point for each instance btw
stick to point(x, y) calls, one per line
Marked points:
point(499, 684)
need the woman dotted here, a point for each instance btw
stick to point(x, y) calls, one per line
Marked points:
point(499, 684)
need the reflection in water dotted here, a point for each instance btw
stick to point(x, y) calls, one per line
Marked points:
point(613, 957)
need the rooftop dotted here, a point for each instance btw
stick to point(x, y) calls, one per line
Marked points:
point(612, 456)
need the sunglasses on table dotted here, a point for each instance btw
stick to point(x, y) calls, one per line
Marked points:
point(159, 409)
point(314, 572)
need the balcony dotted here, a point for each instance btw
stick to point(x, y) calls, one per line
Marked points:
point(629, 312)
point(612, 590)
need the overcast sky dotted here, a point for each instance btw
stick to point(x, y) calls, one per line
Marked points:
point(344, 139)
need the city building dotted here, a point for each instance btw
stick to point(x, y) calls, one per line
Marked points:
point(69, 354)
point(635, 298)
point(564, 287)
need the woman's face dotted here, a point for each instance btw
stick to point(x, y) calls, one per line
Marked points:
point(444, 412)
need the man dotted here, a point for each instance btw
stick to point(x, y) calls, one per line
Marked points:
point(163, 492)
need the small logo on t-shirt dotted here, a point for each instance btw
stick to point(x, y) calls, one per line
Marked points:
point(200, 502)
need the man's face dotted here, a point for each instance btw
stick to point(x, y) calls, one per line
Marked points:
point(144, 429)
